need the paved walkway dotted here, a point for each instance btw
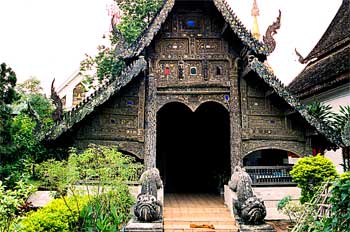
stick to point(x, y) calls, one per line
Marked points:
point(271, 197)
point(182, 210)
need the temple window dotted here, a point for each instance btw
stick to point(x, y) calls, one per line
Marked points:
point(166, 71)
point(130, 102)
point(78, 93)
point(193, 71)
point(191, 23)
point(218, 71)
point(64, 102)
point(181, 69)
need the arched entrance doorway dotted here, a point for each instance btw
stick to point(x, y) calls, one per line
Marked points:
point(193, 148)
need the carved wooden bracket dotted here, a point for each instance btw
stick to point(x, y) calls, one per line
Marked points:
point(270, 32)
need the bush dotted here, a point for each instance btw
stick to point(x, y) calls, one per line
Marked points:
point(51, 173)
point(310, 172)
point(58, 215)
point(340, 201)
point(102, 173)
point(12, 202)
point(101, 165)
point(293, 209)
point(107, 211)
point(12, 173)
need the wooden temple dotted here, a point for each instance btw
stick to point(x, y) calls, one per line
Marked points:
point(194, 100)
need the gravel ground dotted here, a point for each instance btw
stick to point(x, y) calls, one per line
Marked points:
point(280, 226)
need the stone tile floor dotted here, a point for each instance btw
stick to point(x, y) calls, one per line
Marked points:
point(182, 210)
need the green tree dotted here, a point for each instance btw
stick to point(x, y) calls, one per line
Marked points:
point(105, 65)
point(31, 119)
point(334, 219)
point(29, 86)
point(25, 149)
point(34, 112)
point(136, 17)
point(7, 96)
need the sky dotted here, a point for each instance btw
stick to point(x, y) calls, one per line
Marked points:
point(48, 38)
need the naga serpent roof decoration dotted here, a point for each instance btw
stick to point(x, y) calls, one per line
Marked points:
point(241, 31)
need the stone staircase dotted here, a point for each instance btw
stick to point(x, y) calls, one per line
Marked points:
point(182, 210)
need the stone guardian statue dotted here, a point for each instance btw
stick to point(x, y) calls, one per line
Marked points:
point(148, 208)
point(247, 206)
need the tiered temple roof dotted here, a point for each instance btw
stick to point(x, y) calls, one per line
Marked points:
point(329, 61)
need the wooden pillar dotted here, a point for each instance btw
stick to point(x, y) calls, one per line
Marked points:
point(235, 118)
point(151, 123)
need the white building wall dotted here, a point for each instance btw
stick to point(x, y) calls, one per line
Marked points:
point(66, 89)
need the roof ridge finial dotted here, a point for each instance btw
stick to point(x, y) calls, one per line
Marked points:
point(255, 14)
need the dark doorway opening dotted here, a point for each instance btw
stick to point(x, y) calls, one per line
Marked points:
point(193, 148)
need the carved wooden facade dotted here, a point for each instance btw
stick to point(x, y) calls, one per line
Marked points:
point(197, 56)
point(192, 61)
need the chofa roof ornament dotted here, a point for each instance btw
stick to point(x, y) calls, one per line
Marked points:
point(301, 59)
point(270, 32)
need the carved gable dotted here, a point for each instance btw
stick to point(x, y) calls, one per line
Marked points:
point(120, 121)
point(190, 47)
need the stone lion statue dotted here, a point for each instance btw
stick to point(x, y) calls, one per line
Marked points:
point(148, 208)
point(248, 207)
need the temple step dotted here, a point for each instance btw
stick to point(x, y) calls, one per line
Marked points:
point(182, 210)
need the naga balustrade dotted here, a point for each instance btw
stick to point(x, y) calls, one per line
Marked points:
point(270, 175)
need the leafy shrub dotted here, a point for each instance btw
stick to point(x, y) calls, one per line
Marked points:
point(58, 215)
point(340, 201)
point(293, 209)
point(283, 202)
point(107, 211)
point(11, 173)
point(310, 172)
point(12, 202)
point(101, 165)
point(102, 173)
point(51, 173)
